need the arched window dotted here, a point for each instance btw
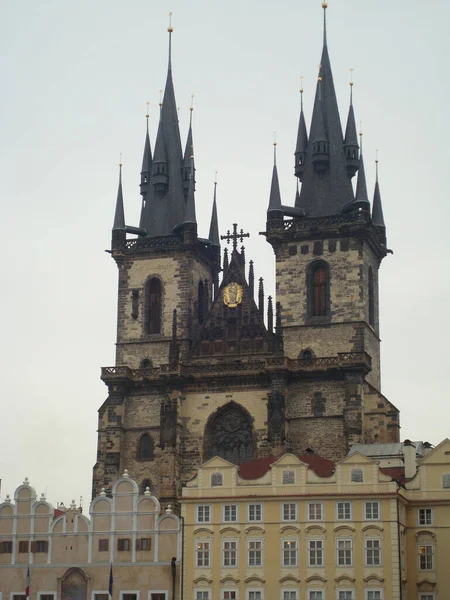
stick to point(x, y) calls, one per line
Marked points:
point(146, 483)
point(318, 289)
point(229, 434)
point(200, 302)
point(145, 449)
point(371, 299)
point(74, 584)
point(154, 306)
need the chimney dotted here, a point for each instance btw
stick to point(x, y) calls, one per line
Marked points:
point(409, 457)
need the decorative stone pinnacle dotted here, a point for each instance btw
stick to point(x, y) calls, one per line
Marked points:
point(125, 474)
point(103, 493)
point(8, 499)
point(26, 481)
point(147, 491)
point(169, 509)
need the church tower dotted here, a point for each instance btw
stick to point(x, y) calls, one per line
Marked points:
point(205, 364)
point(328, 249)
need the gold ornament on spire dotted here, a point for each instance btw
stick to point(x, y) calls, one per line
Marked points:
point(301, 84)
point(148, 111)
point(192, 103)
point(170, 28)
point(324, 4)
point(215, 178)
point(120, 163)
point(160, 97)
point(351, 76)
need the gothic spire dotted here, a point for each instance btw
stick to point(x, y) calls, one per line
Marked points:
point(325, 183)
point(165, 202)
point(275, 196)
point(214, 225)
point(351, 139)
point(119, 215)
point(146, 161)
point(302, 142)
point(377, 209)
point(190, 201)
point(361, 187)
point(188, 151)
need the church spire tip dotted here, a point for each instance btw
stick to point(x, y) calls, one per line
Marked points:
point(170, 30)
point(324, 6)
point(119, 215)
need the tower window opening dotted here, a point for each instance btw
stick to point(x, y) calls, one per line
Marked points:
point(154, 306)
point(200, 302)
point(371, 299)
point(145, 449)
point(319, 285)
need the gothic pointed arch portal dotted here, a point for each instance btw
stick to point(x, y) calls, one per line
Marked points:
point(74, 585)
point(229, 434)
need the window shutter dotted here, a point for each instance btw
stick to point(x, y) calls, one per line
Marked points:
point(33, 546)
point(1, 547)
point(138, 544)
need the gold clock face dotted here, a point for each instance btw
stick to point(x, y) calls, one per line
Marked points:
point(232, 294)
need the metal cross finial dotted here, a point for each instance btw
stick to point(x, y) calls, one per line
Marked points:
point(235, 236)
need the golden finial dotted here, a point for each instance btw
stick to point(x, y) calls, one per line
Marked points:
point(170, 28)
point(274, 138)
point(360, 129)
point(148, 111)
point(301, 84)
point(215, 178)
point(192, 103)
point(120, 163)
point(376, 156)
point(351, 76)
point(160, 97)
point(324, 4)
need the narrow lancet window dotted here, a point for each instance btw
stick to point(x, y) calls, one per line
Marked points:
point(145, 450)
point(371, 299)
point(319, 291)
point(154, 306)
point(200, 302)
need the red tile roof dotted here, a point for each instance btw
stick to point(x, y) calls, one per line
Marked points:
point(254, 469)
point(397, 473)
point(57, 513)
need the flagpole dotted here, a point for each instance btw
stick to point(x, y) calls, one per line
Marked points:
point(27, 584)
point(111, 581)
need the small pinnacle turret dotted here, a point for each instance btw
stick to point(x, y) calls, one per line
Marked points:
point(146, 163)
point(302, 142)
point(119, 215)
point(188, 151)
point(351, 140)
point(190, 201)
point(377, 209)
point(361, 196)
point(275, 195)
point(214, 237)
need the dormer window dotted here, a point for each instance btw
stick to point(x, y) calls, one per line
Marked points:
point(357, 476)
point(216, 479)
point(288, 477)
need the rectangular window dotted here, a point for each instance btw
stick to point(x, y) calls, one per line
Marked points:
point(229, 595)
point(373, 553)
point(446, 481)
point(204, 513)
point(289, 512)
point(315, 553)
point(23, 546)
point(315, 595)
point(19, 597)
point(288, 477)
point(230, 513)
point(128, 596)
point(343, 511)
point(426, 597)
point(426, 557)
point(216, 479)
point(6, 547)
point(357, 476)
point(425, 516)
point(372, 511)
point(289, 553)
point(103, 545)
point(289, 594)
point(255, 550)
point(123, 545)
point(344, 553)
point(101, 596)
point(346, 595)
point(202, 595)
point(255, 512)
point(144, 544)
point(254, 595)
point(45, 596)
point(374, 594)
point(157, 595)
point(203, 550)
point(41, 546)
point(314, 511)
point(229, 554)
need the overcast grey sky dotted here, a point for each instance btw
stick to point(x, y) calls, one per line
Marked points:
point(75, 79)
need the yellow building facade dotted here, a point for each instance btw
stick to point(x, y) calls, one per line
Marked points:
point(70, 556)
point(300, 529)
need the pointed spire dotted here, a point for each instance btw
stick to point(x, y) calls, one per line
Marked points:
point(269, 315)
point(261, 296)
point(275, 196)
point(351, 138)
point(324, 6)
point(361, 187)
point(188, 151)
point(146, 159)
point(225, 260)
point(214, 225)
point(251, 279)
point(190, 202)
point(377, 210)
point(325, 183)
point(119, 216)
point(170, 30)
point(302, 141)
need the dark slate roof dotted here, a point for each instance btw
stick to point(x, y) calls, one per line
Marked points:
point(147, 156)
point(214, 226)
point(188, 151)
point(163, 212)
point(351, 136)
point(325, 194)
point(302, 135)
point(377, 209)
point(361, 187)
point(119, 216)
point(275, 195)
point(189, 216)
